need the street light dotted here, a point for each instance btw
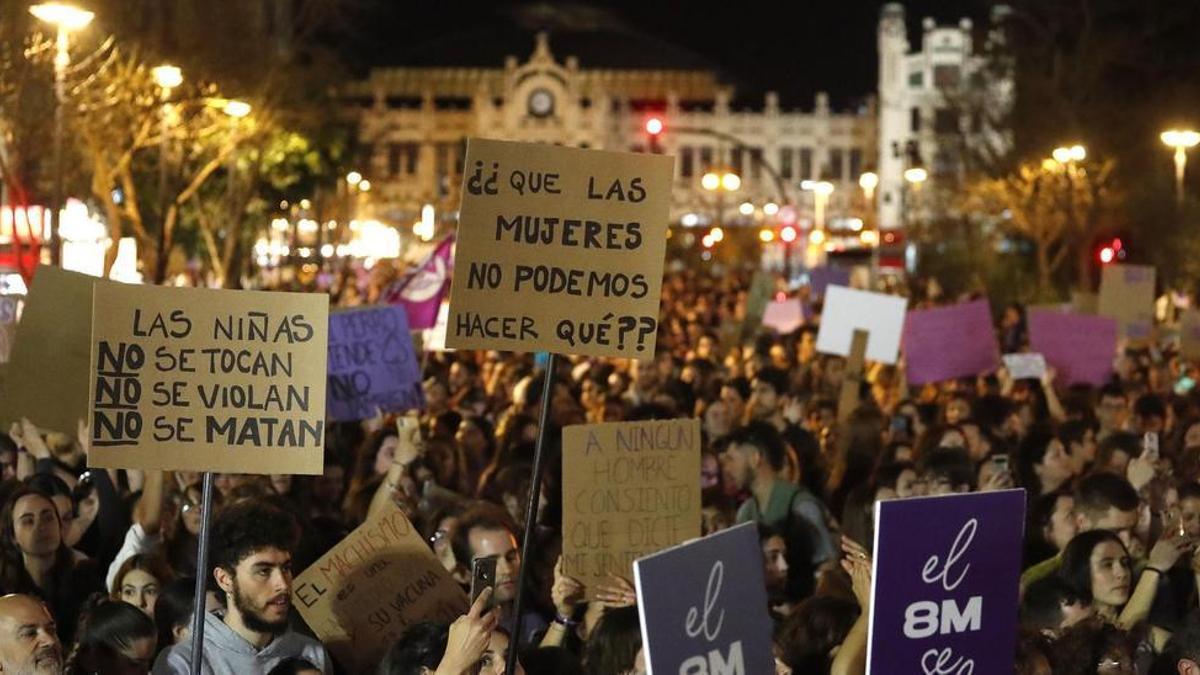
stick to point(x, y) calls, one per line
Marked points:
point(354, 178)
point(1181, 140)
point(916, 175)
point(167, 77)
point(65, 18)
point(868, 182)
point(236, 109)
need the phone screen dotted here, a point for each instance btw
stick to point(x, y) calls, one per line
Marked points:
point(483, 575)
point(1150, 446)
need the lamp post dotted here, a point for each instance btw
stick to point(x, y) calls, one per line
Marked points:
point(167, 77)
point(720, 181)
point(1180, 140)
point(236, 110)
point(65, 18)
point(915, 177)
point(868, 181)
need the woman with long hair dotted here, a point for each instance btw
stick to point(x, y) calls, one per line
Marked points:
point(35, 559)
point(139, 581)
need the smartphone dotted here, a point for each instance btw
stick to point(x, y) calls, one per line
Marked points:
point(1000, 463)
point(1150, 446)
point(900, 425)
point(483, 575)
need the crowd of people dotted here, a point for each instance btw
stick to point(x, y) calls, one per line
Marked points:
point(97, 567)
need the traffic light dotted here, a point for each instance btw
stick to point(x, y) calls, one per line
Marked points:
point(1111, 251)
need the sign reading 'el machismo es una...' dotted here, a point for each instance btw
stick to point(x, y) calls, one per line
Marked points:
point(945, 584)
point(559, 250)
point(206, 380)
point(631, 490)
point(382, 578)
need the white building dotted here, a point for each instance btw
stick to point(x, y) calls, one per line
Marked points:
point(939, 104)
point(414, 122)
point(934, 102)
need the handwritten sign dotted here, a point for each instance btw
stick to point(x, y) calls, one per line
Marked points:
point(559, 250)
point(203, 380)
point(1127, 295)
point(1081, 348)
point(882, 316)
point(945, 343)
point(703, 606)
point(632, 491)
point(48, 359)
point(372, 364)
point(382, 578)
point(784, 316)
point(945, 584)
point(1025, 366)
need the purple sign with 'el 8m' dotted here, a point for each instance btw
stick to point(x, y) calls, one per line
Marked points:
point(945, 582)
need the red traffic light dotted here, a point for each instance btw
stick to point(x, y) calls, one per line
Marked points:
point(655, 126)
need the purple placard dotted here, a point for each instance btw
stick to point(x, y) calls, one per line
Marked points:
point(1080, 347)
point(944, 590)
point(372, 366)
point(950, 342)
point(820, 278)
point(703, 606)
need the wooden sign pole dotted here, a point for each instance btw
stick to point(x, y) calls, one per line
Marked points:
point(201, 593)
point(535, 491)
point(852, 380)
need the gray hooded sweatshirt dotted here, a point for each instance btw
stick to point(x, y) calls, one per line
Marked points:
point(227, 653)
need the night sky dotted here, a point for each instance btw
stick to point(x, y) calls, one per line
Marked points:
point(756, 45)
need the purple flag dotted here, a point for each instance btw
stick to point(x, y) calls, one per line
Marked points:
point(950, 342)
point(421, 292)
point(944, 589)
point(1081, 348)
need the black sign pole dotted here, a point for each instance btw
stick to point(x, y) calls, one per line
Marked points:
point(201, 593)
point(535, 491)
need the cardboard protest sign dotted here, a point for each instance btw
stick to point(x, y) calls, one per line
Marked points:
point(48, 358)
point(434, 339)
point(944, 588)
point(703, 606)
point(784, 316)
point(372, 365)
point(882, 316)
point(1081, 348)
point(1189, 333)
point(631, 490)
point(1025, 366)
point(203, 380)
point(559, 250)
point(1127, 295)
point(7, 332)
point(360, 596)
point(946, 343)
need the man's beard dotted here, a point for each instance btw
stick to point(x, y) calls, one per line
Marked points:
point(47, 661)
point(253, 618)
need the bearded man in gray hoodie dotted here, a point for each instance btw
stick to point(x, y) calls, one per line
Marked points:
point(251, 555)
